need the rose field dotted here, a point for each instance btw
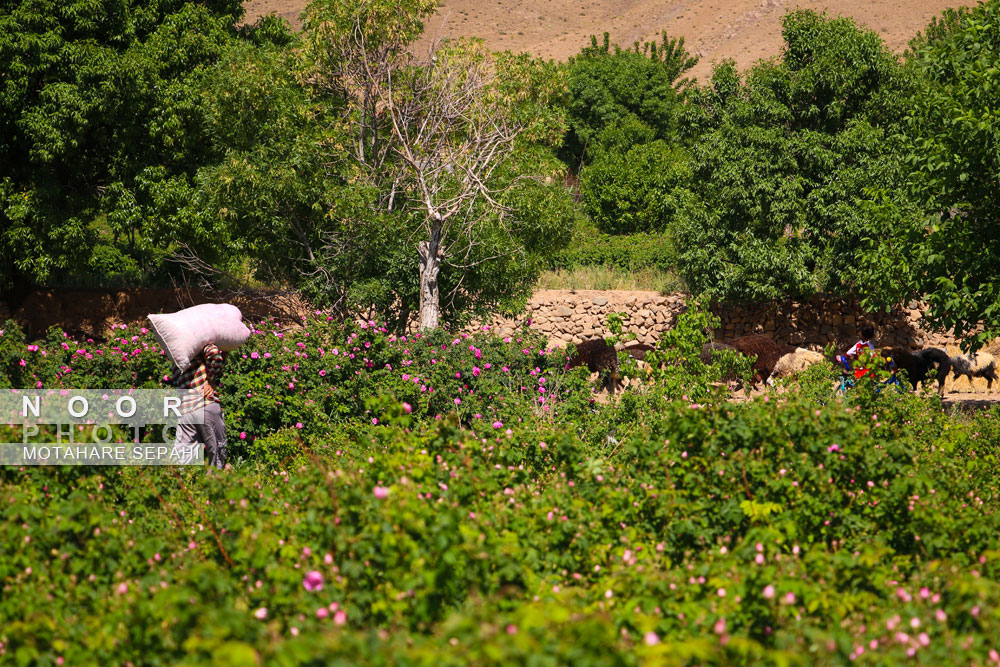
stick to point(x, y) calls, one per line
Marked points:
point(475, 493)
point(442, 499)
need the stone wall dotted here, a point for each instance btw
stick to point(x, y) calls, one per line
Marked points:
point(819, 322)
point(571, 316)
point(564, 316)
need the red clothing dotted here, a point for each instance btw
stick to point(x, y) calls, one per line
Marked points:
point(856, 349)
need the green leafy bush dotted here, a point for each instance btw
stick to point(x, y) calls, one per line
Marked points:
point(951, 154)
point(770, 530)
point(609, 86)
point(676, 365)
point(321, 376)
point(788, 164)
point(281, 449)
point(635, 191)
point(630, 252)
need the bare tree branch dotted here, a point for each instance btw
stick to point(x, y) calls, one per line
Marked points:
point(213, 282)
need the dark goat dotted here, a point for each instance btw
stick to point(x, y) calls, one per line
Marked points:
point(917, 364)
point(599, 357)
point(639, 350)
point(767, 350)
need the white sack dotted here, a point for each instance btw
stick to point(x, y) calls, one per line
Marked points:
point(185, 334)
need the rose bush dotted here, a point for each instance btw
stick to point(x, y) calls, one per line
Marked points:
point(319, 377)
point(775, 530)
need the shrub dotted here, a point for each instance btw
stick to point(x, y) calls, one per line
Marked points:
point(321, 376)
point(630, 192)
point(676, 366)
point(405, 525)
point(630, 252)
point(281, 449)
point(775, 529)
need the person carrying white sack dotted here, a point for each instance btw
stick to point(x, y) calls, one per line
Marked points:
point(201, 378)
point(197, 340)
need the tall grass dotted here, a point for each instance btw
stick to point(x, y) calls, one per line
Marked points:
point(612, 278)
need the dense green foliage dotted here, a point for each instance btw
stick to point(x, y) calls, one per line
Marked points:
point(770, 201)
point(955, 168)
point(590, 247)
point(163, 132)
point(783, 163)
point(623, 113)
point(106, 113)
point(446, 499)
point(614, 86)
point(838, 168)
point(637, 190)
point(780, 530)
point(163, 141)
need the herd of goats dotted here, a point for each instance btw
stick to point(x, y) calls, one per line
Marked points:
point(776, 360)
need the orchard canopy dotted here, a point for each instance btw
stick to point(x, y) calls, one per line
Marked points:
point(142, 143)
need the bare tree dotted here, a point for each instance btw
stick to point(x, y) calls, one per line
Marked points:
point(355, 46)
point(452, 127)
point(429, 136)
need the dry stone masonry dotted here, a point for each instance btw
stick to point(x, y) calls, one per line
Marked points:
point(563, 316)
point(571, 316)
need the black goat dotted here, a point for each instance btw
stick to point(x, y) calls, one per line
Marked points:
point(918, 364)
point(599, 357)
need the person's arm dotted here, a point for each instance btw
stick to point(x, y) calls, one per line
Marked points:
point(213, 364)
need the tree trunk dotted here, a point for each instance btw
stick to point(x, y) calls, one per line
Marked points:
point(430, 265)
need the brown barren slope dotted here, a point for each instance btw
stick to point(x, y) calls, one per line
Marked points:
point(746, 30)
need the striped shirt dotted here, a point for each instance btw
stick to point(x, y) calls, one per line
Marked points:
point(205, 370)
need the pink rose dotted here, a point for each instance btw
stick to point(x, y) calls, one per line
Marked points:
point(313, 581)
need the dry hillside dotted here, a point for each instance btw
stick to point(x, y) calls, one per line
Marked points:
point(746, 30)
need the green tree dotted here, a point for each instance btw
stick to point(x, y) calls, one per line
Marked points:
point(609, 86)
point(784, 162)
point(284, 203)
point(100, 111)
point(635, 190)
point(953, 128)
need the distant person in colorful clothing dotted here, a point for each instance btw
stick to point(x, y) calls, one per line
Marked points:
point(867, 333)
point(203, 377)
